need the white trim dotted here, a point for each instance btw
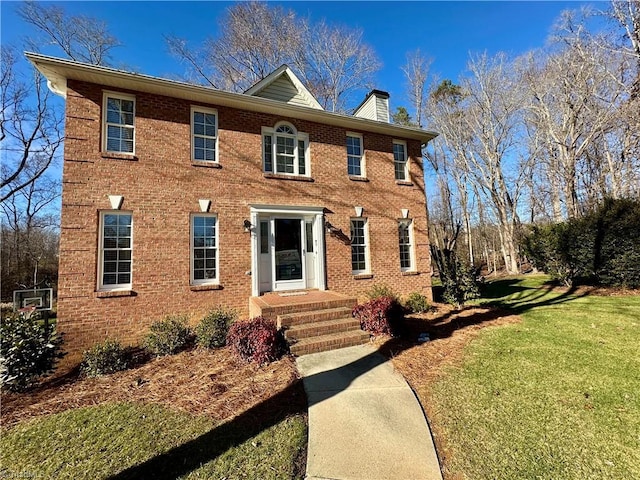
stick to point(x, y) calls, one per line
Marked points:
point(116, 201)
point(287, 209)
point(255, 254)
point(58, 70)
point(367, 248)
point(204, 281)
point(204, 204)
point(100, 269)
point(259, 212)
point(406, 161)
point(363, 162)
point(106, 94)
point(297, 137)
point(412, 256)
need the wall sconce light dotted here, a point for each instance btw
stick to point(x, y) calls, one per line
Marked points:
point(247, 225)
point(331, 229)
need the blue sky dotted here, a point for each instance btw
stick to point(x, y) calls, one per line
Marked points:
point(446, 31)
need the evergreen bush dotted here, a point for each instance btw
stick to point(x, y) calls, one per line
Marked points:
point(168, 336)
point(27, 350)
point(212, 331)
point(104, 358)
point(417, 303)
point(601, 248)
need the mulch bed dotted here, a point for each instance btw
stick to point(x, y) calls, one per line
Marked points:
point(450, 330)
point(213, 383)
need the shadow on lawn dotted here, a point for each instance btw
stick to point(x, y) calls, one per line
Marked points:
point(191, 455)
point(524, 298)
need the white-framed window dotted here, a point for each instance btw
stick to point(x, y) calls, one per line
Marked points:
point(359, 246)
point(355, 155)
point(405, 242)
point(285, 151)
point(119, 112)
point(401, 166)
point(204, 249)
point(204, 134)
point(115, 250)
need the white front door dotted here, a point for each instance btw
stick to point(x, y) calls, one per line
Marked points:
point(287, 252)
point(288, 257)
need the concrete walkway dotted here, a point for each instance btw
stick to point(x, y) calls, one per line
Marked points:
point(364, 421)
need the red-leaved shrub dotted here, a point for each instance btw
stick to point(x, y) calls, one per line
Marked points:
point(379, 316)
point(254, 340)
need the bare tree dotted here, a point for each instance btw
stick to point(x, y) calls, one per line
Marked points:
point(81, 38)
point(482, 124)
point(626, 13)
point(30, 233)
point(334, 62)
point(416, 72)
point(575, 93)
point(256, 38)
point(30, 128)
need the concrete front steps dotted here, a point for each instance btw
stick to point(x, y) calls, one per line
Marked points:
point(316, 322)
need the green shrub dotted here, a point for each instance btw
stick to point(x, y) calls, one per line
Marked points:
point(602, 247)
point(168, 336)
point(458, 279)
point(381, 290)
point(212, 331)
point(255, 340)
point(27, 350)
point(104, 358)
point(417, 302)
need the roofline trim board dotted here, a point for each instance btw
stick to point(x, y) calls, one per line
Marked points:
point(57, 71)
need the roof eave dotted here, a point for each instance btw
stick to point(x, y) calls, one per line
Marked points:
point(58, 71)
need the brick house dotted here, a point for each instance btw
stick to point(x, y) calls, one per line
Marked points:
point(177, 198)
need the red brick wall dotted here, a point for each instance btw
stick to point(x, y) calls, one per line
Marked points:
point(161, 187)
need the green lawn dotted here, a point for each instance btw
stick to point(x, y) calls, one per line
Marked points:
point(554, 397)
point(128, 440)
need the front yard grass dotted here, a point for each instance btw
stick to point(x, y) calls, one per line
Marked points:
point(101, 441)
point(198, 414)
point(556, 396)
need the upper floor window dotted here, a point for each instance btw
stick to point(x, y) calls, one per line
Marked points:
point(405, 241)
point(204, 134)
point(204, 249)
point(119, 123)
point(355, 155)
point(114, 252)
point(400, 163)
point(285, 151)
